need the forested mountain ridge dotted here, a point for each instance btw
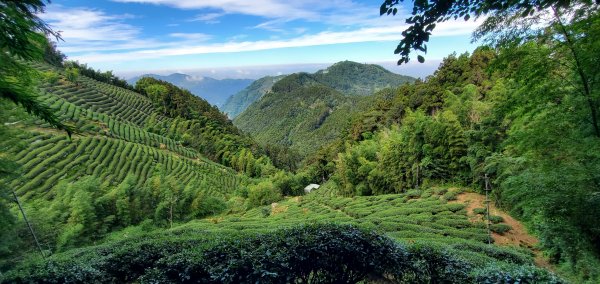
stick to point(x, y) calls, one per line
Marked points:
point(240, 101)
point(346, 77)
point(215, 91)
point(305, 118)
point(313, 109)
point(352, 78)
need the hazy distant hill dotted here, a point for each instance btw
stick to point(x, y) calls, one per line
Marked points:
point(239, 102)
point(213, 90)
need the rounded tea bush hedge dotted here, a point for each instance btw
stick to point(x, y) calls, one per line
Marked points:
point(325, 253)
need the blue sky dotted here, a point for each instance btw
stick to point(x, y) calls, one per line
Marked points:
point(234, 38)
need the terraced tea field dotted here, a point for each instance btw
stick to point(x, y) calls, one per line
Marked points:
point(427, 218)
point(111, 141)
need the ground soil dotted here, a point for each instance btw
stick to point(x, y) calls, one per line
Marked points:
point(518, 236)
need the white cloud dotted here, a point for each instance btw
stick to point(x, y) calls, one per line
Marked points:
point(370, 34)
point(86, 30)
point(332, 12)
point(263, 8)
point(209, 18)
point(192, 36)
point(93, 36)
point(84, 24)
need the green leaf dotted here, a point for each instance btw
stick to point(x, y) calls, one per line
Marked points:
point(421, 59)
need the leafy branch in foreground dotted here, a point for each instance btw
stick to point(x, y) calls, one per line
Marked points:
point(23, 36)
point(425, 16)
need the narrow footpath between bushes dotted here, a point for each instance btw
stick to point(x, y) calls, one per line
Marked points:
point(517, 236)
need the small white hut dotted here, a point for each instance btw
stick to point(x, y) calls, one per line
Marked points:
point(310, 187)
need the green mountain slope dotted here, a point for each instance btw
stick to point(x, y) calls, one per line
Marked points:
point(237, 103)
point(347, 77)
point(303, 119)
point(305, 111)
point(351, 78)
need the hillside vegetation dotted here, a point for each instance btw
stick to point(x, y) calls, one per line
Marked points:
point(313, 109)
point(103, 182)
point(347, 77)
point(126, 162)
point(410, 238)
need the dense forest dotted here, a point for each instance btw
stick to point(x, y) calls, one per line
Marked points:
point(104, 182)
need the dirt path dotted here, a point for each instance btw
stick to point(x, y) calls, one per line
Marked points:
point(518, 236)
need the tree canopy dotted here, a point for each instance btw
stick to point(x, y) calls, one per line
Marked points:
point(425, 16)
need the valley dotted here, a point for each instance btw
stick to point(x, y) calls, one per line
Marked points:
point(485, 171)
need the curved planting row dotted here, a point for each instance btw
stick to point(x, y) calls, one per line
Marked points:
point(96, 96)
point(48, 159)
point(95, 123)
point(430, 220)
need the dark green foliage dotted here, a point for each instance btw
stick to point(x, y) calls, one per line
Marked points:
point(480, 211)
point(352, 78)
point(175, 102)
point(500, 228)
point(496, 219)
point(515, 274)
point(306, 254)
point(423, 149)
point(53, 56)
point(23, 36)
point(425, 16)
point(263, 193)
point(450, 195)
point(106, 77)
point(208, 206)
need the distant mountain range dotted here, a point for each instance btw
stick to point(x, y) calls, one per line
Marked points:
point(215, 91)
point(305, 111)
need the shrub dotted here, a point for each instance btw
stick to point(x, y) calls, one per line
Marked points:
point(451, 195)
point(414, 193)
point(263, 193)
point(208, 205)
point(500, 228)
point(265, 211)
point(303, 254)
point(515, 274)
point(51, 77)
point(496, 219)
point(480, 211)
